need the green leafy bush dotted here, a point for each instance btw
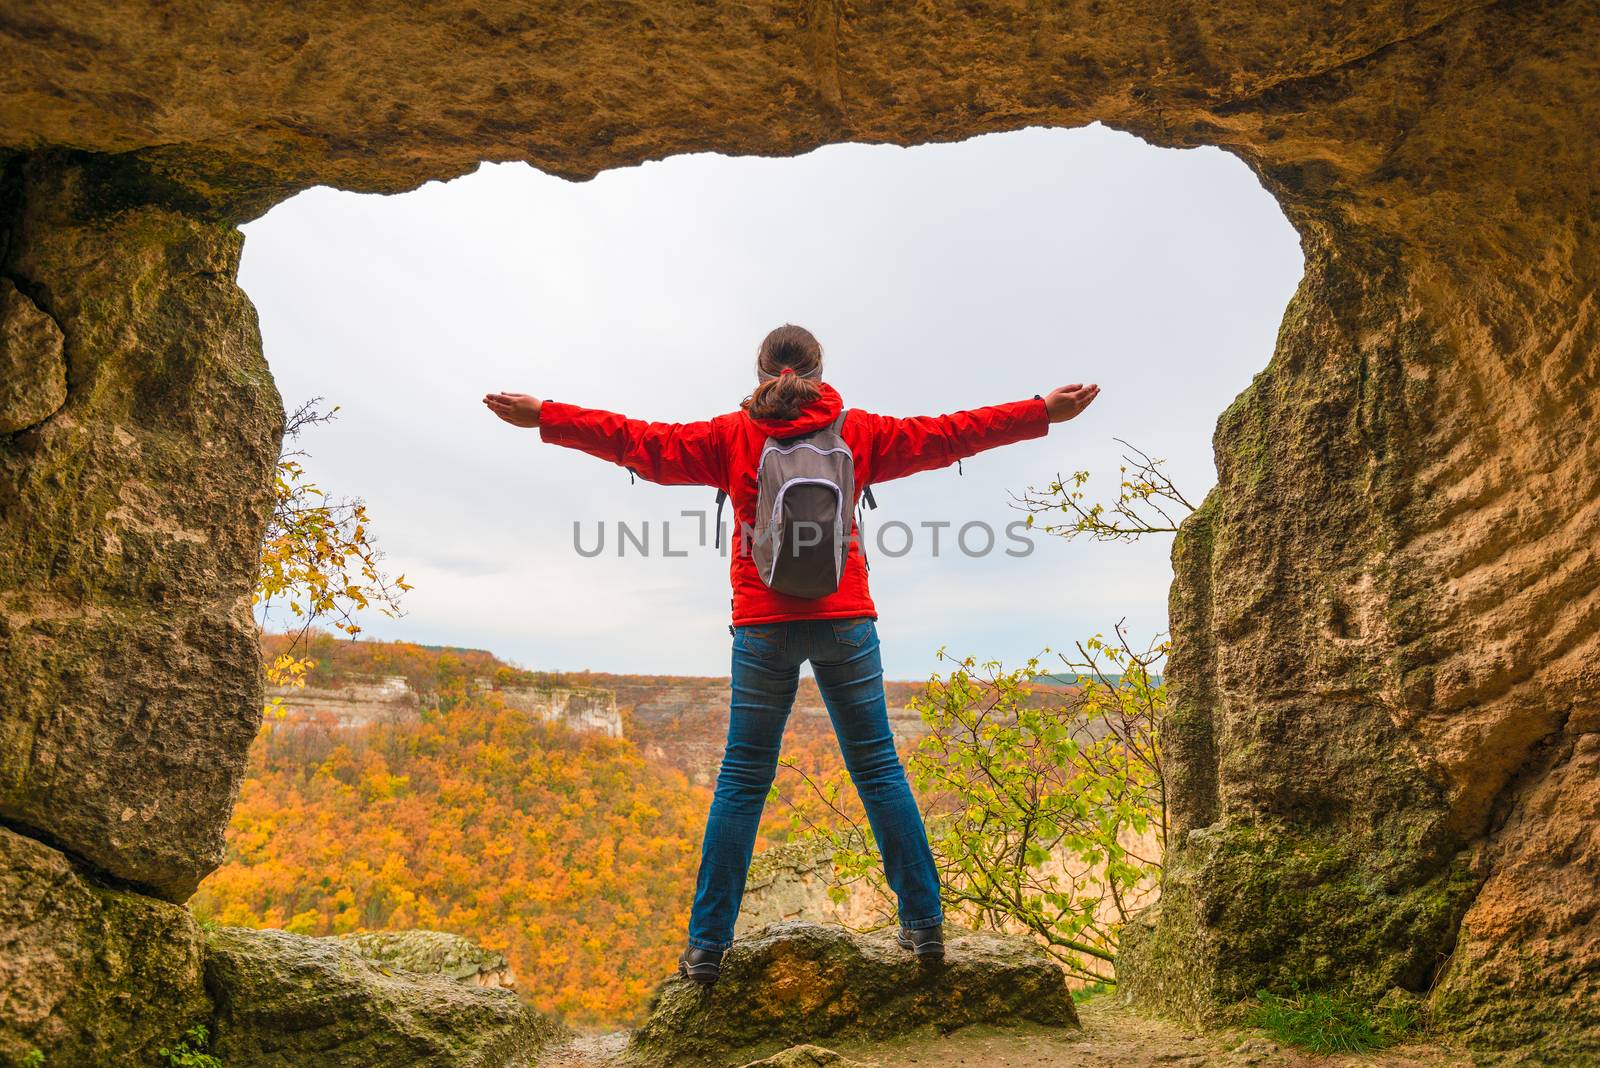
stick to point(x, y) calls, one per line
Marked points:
point(191, 1051)
point(1043, 794)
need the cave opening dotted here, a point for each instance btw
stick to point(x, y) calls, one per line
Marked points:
point(938, 277)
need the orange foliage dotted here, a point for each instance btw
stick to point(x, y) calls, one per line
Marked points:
point(569, 852)
point(565, 851)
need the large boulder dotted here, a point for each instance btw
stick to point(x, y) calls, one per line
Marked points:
point(90, 975)
point(798, 983)
point(94, 975)
point(285, 1000)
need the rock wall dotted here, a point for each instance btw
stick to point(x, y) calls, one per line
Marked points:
point(354, 702)
point(791, 882)
point(131, 517)
point(95, 975)
point(582, 710)
point(1385, 616)
point(90, 975)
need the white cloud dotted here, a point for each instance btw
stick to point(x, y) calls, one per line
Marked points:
point(937, 278)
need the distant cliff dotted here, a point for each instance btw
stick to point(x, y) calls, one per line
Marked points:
point(579, 709)
point(356, 701)
point(351, 700)
point(682, 720)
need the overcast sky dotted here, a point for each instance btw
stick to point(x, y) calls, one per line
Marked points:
point(936, 278)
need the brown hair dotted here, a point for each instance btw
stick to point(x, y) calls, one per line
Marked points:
point(780, 395)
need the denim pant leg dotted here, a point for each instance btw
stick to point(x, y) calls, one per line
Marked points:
point(766, 673)
point(850, 675)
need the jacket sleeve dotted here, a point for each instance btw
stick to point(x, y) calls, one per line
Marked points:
point(674, 454)
point(900, 447)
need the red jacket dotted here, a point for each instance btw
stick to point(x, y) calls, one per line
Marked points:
point(724, 451)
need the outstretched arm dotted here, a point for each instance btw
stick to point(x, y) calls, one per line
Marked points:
point(900, 447)
point(669, 453)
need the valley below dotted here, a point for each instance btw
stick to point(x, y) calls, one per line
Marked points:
point(551, 817)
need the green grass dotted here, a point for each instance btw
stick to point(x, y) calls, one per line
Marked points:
point(1330, 1023)
point(1084, 993)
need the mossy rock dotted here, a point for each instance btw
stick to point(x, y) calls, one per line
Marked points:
point(286, 1000)
point(90, 975)
point(433, 953)
point(798, 983)
point(1248, 907)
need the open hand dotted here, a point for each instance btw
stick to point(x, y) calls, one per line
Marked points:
point(518, 409)
point(1068, 401)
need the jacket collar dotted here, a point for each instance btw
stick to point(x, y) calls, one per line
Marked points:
point(816, 415)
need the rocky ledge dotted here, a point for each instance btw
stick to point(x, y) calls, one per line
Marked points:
point(91, 974)
point(434, 953)
point(797, 983)
point(284, 1000)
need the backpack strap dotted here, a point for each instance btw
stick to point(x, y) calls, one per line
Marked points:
point(867, 501)
point(722, 498)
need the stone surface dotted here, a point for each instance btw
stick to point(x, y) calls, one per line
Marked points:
point(289, 1000)
point(434, 953)
point(808, 1057)
point(1385, 617)
point(130, 528)
point(798, 983)
point(33, 372)
point(89, 975)
point(791, 882)
point(1520, 931)
point(354, 701)
point(580, 709)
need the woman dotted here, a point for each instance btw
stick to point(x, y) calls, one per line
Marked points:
point(775, 632)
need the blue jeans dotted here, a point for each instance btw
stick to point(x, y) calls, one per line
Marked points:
point(766, 674)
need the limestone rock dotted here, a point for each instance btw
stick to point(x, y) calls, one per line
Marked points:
point(289, 1000)
point(808, 1057)
point(800, 982)
point(790, 881)
point(90, 975)
point(1518, 933)
point(130, 529)
point(353, 701)
point(585, 709)
point(33, 373)
point(434, 953)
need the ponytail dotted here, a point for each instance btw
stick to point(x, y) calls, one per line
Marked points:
point(789, 364)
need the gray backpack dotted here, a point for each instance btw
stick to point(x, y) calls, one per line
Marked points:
point(805, 497)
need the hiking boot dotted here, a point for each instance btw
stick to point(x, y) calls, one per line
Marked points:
point(700, 965)
point(926, 942)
